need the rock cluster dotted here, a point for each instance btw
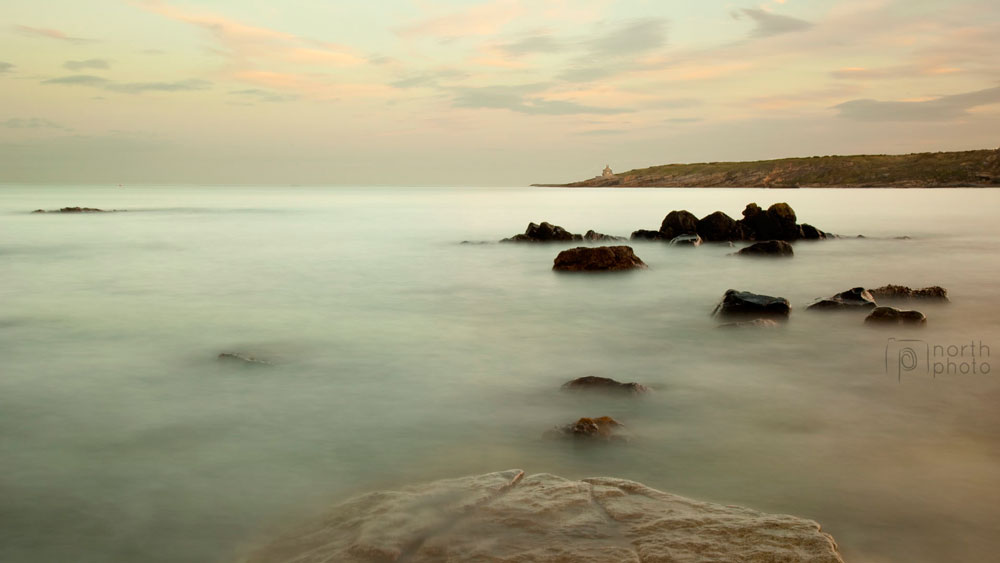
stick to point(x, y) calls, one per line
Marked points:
point(507, 517)
point(598, 259)
point(777, 222)
point(547, 232)
point(903, 293)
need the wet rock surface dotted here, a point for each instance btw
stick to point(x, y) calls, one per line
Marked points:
point(777, 248)
point(598, 259)
point(508, 517)
point(744, 304)
point(856, 298)
point(893, 316)
point(603, 384)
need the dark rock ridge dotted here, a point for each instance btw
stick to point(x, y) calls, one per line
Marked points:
point(744, 303)
point(508, 517)
point(547, 232)
point(598, 259)
point(604, 429)
point(78, 210)
point(903, 293)
point(893, 316)
point(768, 248)
point(857, 298)
point(777, 222)
point(756, 323)
point(594, 383)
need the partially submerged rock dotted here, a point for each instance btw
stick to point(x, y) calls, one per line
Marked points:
point(744, 304)
point(603, 428)
point(812, 233)
point(76, 210)
point(598, 259)
point(894, 316)
point(643, 234)
point(719, 227)
point(686, 240)
point(594, 383)
point(241, 358)
point(508, 517)
point(756, 323)
point(595, 236)
point(678, 223)
point(768, 248)
point(544, 232)
point(857, 298)
point(903, 293)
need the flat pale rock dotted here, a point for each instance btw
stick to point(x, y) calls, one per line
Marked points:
point(506, 517)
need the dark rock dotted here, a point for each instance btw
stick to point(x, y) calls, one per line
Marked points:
point(743, 303)
point(812, 233)
point(903, 293)
point(593, 383)
point(686, 240)
point(719, 227)
point(643, 234)
point(594, 236)
point(857, 298)
point(545, 232)
point(756, 323)
point(893, 316)
point(604, 429)
point(597, 259)
point(678, 223)
point(39, 211)
point(768, 248)
point(81, 210)
point(240, 357)
point(777, 223)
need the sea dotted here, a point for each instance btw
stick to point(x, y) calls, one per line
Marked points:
point(405, 344)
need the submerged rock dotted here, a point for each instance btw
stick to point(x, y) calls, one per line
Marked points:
point(545, 232)
point(756, 323)
point(598, 259)
point(686, 240)
point(768, 248)
point(743, 303)
point(241, 358)
point(593, 383)
point(508, 517)
point(903, 293)
point(602, 428)
point(76, 210)
point(594, 236)
point(894, 316)
point(812, 233)
point(857, 298)
point(643, 234)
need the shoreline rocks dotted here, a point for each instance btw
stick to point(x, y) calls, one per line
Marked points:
point(605, 384)
point(509, 516)
point(598, 259)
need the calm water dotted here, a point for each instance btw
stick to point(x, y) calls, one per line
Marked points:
point(401, 355)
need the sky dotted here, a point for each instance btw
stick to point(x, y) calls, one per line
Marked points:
point(494, 92)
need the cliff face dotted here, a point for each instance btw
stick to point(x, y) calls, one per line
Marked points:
point(921, 170)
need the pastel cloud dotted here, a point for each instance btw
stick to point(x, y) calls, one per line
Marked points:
point(936, 109)
point(129, 87)
point(49, 34)
point(769, 24)
point(6, 67)
point(95, 64)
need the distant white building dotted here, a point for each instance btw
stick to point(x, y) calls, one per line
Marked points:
point(607, 171)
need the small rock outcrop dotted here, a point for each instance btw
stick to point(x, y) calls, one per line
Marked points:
point(544, 232)
point(756, 323)
point(678, 223)
point(598, 259)
point(241, 358)
point(719, 227)
point(744, 303)
point(812, 233)
point(602, 429)
point(894, 316)
point(594, 236)
point(686, 240)
point(605, 384)
point(76, 210)
point(643, 234)
point(768, 248)
point(508, 516)
point(857, 298)
point(903, 293)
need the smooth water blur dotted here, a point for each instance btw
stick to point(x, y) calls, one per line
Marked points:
point(402, 356)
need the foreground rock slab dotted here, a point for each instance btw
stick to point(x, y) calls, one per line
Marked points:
point(509, 517)
point(746, 304)
point(594, 383)
point(598, 259)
